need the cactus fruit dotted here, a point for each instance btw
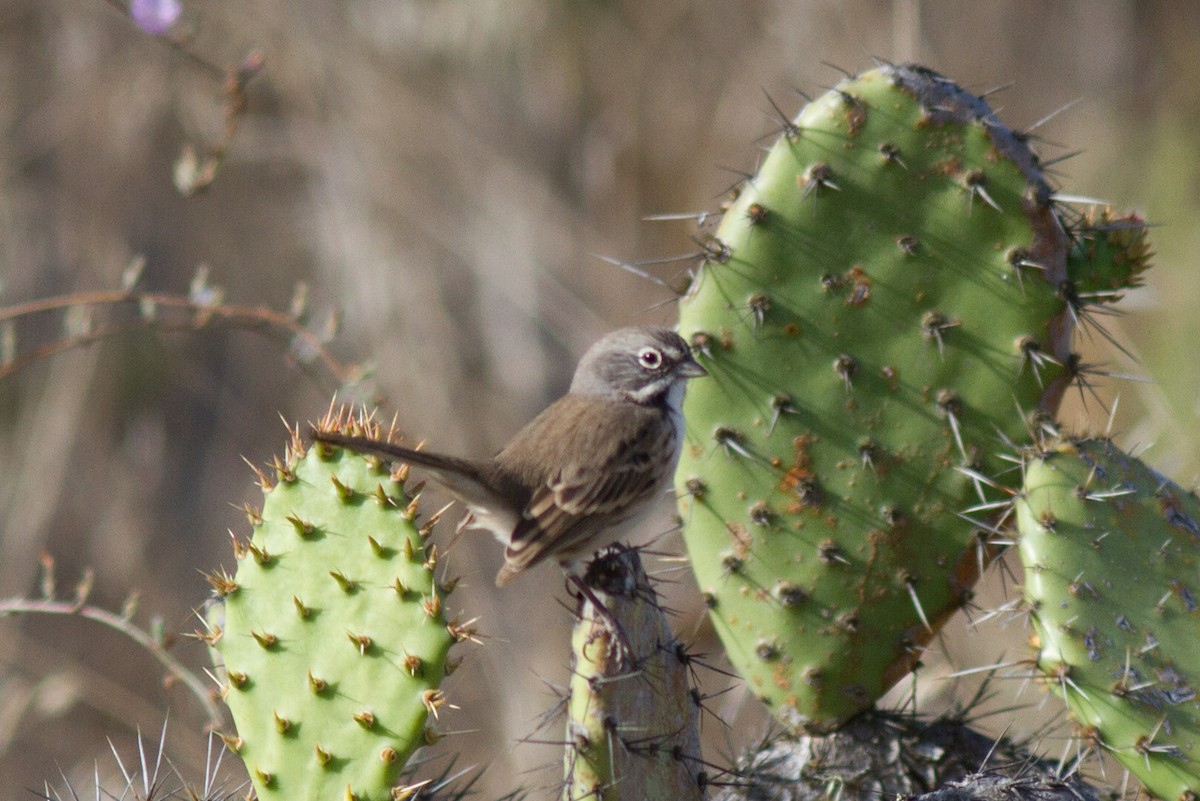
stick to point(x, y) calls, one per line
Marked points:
point(1111, 552)
point(1109, 253)
point(880, 303)
point(334, 638)
point(633, 727)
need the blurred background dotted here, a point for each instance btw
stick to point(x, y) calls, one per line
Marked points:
point(446, 173)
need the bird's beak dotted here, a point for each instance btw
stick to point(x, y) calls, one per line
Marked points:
point(691, 369)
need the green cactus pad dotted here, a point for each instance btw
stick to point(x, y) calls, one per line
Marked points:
point(1111, 552)
point(334, 641)
point(878, 305)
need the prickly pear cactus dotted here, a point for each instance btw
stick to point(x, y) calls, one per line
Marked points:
point(633, 724)
point(334, 639)
point(877, 308)
point(1111, 552)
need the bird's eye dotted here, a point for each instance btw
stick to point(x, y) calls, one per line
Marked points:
point(650, 358)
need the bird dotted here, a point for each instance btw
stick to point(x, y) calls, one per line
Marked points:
point(590, 464)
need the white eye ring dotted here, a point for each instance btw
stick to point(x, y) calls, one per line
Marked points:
point(650, 358)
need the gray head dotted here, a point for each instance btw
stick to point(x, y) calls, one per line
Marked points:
point(640, 364)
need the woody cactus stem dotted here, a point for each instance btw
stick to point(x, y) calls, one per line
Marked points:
point(334, 638)
point(633, 723)
point(877, 305)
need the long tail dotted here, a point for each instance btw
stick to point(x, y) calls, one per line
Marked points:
point(399, 453)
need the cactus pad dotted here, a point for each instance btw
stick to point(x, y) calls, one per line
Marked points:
point(1111, 552)
point(877, 305)
point(334, 640)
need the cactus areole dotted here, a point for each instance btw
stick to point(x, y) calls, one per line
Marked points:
point(878, 306)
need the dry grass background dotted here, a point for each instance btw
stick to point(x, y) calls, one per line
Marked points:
point(445, 171)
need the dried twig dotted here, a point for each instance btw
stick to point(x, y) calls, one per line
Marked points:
point(78, 606)
point(195, 312)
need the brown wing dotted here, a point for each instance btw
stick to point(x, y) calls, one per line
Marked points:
point(612, 463)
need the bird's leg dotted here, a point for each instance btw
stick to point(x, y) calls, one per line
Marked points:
point(623, 647)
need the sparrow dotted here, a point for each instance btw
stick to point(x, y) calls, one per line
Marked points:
point(591, 463)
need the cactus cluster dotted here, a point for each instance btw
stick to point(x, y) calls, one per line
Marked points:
point(883, 310)
point(1111, 552)
point(334, 637)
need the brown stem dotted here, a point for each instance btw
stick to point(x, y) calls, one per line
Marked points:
point(255, 318)
point(17, 606)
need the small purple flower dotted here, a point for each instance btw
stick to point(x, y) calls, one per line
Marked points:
point(155, 16)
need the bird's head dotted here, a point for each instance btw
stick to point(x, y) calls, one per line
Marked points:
point(640, 364)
